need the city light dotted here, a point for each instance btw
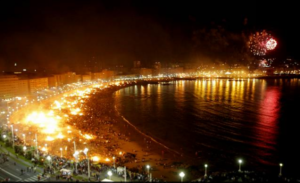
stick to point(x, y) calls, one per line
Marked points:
point(95, 158)
point(109, 173)
point(181, 174)
point(240, 162)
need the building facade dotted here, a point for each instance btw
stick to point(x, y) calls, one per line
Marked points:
point(37, 84)
point(12, 86)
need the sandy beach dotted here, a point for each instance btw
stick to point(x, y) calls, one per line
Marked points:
point(113, 134)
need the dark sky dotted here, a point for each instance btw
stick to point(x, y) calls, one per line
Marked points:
point(67, 33)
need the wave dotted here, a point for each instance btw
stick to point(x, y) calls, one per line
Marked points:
point(144, 133)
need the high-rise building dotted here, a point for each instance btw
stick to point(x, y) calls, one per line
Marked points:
point(87, 77)
point(65, 78)
point(8, 86)
point(52, 81)
point(12, 86)
point(37, 84)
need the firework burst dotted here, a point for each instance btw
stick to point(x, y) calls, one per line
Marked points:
point(271, 44)
point(261, 42)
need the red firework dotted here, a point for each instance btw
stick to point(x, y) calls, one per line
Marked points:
point(261, 42)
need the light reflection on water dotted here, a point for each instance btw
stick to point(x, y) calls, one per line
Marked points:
point(221, 119)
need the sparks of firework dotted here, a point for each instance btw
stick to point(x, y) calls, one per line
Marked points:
point(261, 42)
point(271, 44)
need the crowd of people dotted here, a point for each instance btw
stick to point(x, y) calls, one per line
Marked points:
point(99, 120)
point(4, 157)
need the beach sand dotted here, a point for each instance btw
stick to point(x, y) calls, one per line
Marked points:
point(106, 124)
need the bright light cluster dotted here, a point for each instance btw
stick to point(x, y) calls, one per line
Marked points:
point(48, 123)
point(51, 121)
point(271, 44)
point(261, 42)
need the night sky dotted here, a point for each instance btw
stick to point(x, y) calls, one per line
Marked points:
point(65, 34)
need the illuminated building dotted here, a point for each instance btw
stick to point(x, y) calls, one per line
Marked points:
point(96, 75)
point(37, 84)
point(63, 79)
point(157, 68)
point(11, 86)
point(107, 74)
point(70, 77)
point(52, 81)
point(86, 77)
point(145, 72)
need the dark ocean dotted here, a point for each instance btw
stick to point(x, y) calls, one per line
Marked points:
point(256, 120)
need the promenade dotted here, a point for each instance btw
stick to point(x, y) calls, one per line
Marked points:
point(16, 169)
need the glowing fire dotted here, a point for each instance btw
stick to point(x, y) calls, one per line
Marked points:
point(58, 105)
point(48, 123)
point(75, 111)
point(60, 136)
point(48, 138)
point(86, 136)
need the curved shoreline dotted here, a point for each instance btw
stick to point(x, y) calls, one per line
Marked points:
point(144, 133)
point(160, 157)
point(128, 122)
